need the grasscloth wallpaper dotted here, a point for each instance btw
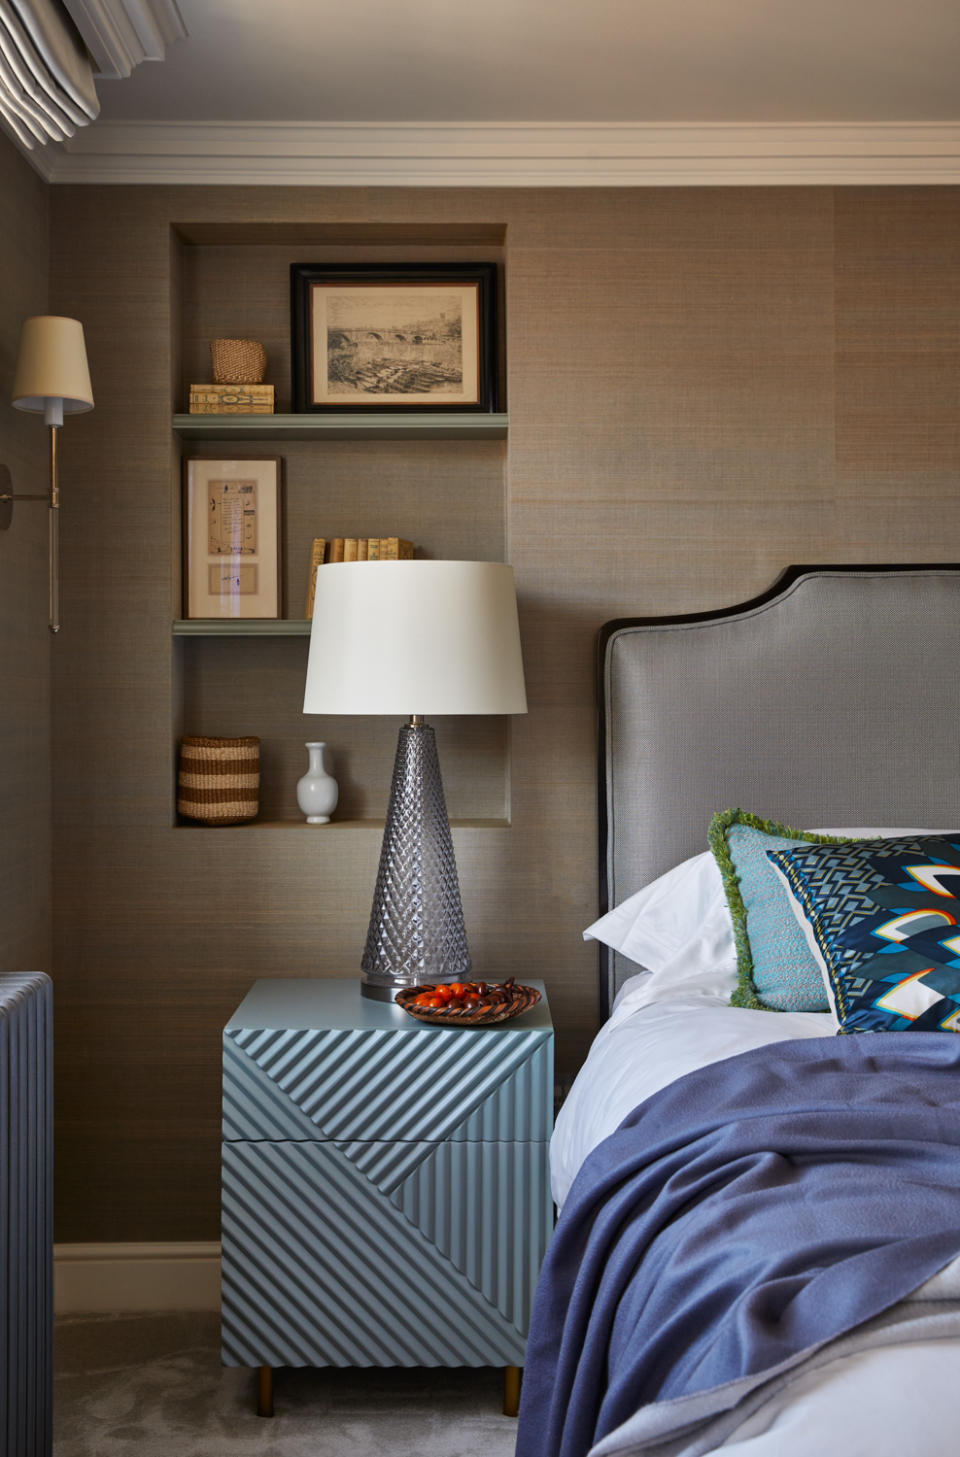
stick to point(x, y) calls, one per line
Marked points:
point(25, 935)
point(704, 385)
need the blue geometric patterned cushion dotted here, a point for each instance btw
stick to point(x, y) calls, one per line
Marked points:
point(776, 968)
point(885, 915)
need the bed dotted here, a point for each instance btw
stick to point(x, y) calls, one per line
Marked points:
point(758, 1249)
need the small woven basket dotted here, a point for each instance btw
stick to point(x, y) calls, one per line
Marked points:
point(219, 780)
point(237, 361)
point(518, 999)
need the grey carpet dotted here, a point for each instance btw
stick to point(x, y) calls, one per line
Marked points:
point(153, 1386)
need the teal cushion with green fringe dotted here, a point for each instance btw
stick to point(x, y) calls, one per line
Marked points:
point(777, 970)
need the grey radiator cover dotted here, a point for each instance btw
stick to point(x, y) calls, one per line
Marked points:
point(26, 1215)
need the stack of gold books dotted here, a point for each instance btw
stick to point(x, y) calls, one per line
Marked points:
point(231, 399)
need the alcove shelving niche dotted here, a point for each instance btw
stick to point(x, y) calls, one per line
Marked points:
point(438, 480)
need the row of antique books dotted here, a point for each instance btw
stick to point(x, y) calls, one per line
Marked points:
point(353, 549)
point(361, 549)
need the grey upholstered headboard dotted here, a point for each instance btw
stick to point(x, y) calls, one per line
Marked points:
point(833, 699)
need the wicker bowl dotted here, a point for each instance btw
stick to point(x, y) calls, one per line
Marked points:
point(519, 999)
point(237, 361)
point(219, 780)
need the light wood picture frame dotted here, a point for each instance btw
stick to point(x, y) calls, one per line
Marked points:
point(232, 537)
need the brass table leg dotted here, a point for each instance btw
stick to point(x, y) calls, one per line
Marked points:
point(511, 1390)
point(265, 1391)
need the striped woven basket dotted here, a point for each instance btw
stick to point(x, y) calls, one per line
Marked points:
point(219, 780)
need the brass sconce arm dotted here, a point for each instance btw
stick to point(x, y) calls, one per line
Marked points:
point(52, 499)
point(11, 496)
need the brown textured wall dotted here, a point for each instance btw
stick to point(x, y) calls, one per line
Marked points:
point(704, 386)
point(25, 642)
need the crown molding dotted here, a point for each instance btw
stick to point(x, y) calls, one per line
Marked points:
point(506, 155)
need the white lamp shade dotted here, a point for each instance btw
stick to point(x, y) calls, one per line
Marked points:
point(52, 364)
point(415, 637)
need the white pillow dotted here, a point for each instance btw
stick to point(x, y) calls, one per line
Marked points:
point(871, 834)
point(653, 925)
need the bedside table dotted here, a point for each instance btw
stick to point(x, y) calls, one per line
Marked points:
point(386, 1194)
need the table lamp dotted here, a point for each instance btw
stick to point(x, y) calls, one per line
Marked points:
point(415, 638)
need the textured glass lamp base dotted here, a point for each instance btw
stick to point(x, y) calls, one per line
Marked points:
point(416, 931)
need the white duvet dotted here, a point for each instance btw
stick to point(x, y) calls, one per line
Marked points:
point(853, 1399)
point(664, 1024)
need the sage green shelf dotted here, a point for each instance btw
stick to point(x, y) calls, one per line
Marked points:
point(301, 824)
point(418, 425)
point(241, 627)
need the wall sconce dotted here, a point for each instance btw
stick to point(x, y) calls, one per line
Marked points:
point(52, 378)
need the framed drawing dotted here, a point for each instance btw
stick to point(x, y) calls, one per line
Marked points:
point(401, 336)
point(231, 538)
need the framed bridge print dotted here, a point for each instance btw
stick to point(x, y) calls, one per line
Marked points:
point(370, 336)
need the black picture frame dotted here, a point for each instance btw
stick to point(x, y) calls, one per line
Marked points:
point(446, 345)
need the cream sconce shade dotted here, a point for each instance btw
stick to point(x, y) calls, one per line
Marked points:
point(52, 379)
point(52, 367)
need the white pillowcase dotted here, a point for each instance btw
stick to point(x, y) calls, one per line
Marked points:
point(653, 926)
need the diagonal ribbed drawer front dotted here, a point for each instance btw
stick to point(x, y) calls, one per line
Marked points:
point(396, 1085)
point(321, 1267)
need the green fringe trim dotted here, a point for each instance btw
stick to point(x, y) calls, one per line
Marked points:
point(745, 993)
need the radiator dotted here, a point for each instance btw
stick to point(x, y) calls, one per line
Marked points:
point(26, 1215)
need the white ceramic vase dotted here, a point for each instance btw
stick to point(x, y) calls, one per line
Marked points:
point(317, 791)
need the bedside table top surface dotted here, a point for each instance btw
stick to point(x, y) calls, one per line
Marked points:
point(335, 1003)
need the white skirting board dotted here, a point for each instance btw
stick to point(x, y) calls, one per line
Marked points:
point(131, 1277)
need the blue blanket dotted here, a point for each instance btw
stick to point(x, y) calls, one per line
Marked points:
point(750, 1212)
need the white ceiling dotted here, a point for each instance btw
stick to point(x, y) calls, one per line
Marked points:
point(703, 61)
point(575, 93)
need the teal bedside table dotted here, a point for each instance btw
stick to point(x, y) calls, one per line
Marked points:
point(385, 1184)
